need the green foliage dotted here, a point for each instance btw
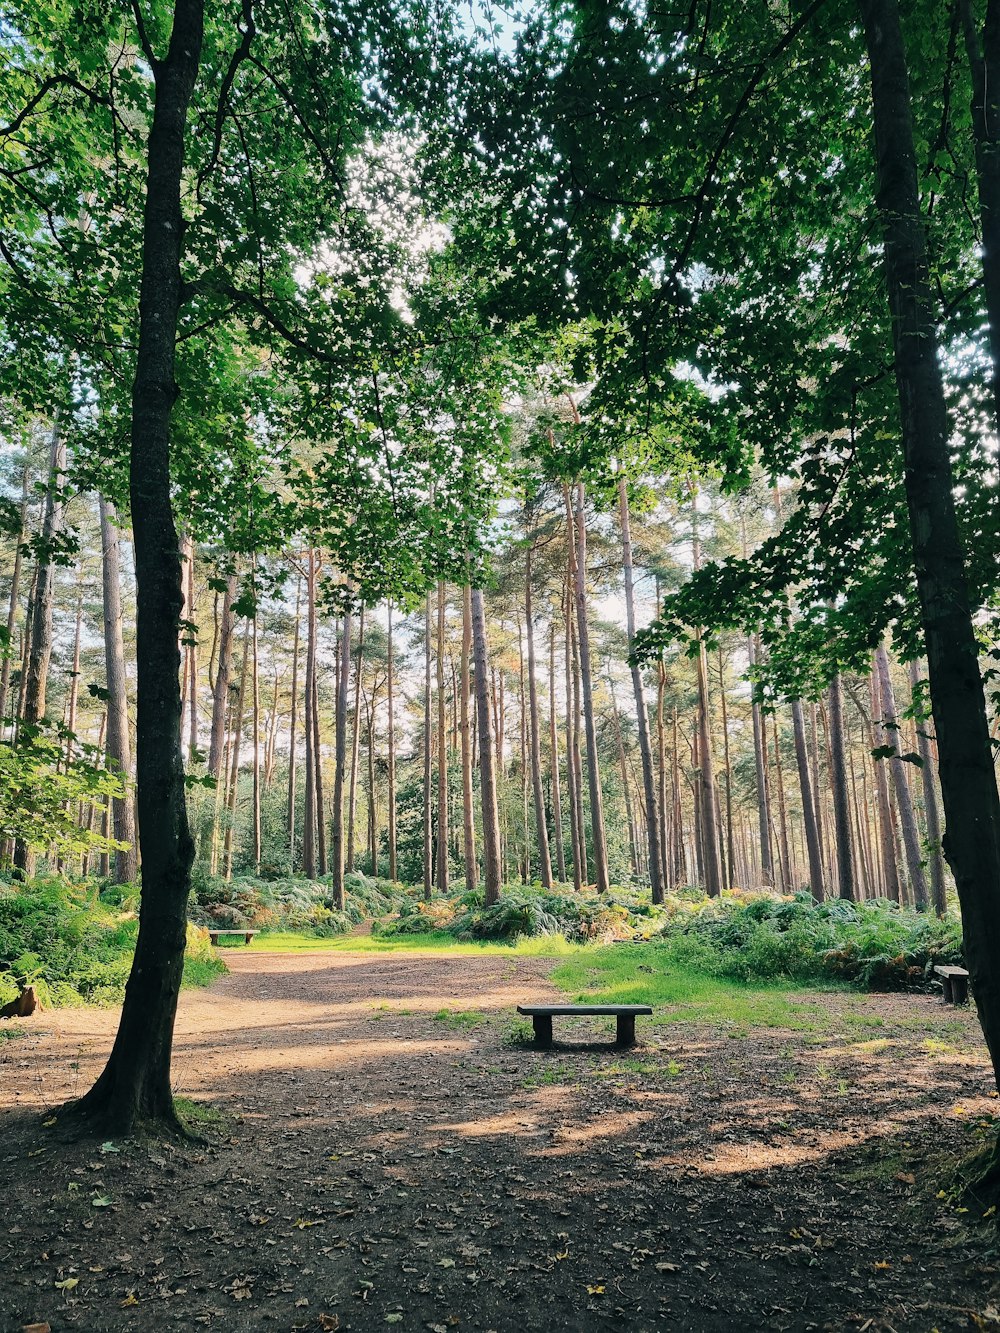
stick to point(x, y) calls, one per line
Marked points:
point(74, 947)
point(289, 904)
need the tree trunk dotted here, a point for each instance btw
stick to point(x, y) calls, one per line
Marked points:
point(442, 752)
point(220, 692)
point(583, 637)
point(573, 771)
point(234, 776)
point(39, 654)
point(255, 679)
point(309, 812)
point(321, 860)
point(557, 828)
point(118, 743)
point(808, 804)
point(763, 787)
point(931, 813)
point(641, 714)
point(468, 823)
point(15, 587)
point(391, 741)
point(730, 841)
point(904, 803)
point(135, 1084)
point(293, 727)
point(841, 806)
point(541, 824)
point(428, 767)
point(487, 782)
point(337, 849)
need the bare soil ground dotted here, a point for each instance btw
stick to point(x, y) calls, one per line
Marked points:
point(379, 1164)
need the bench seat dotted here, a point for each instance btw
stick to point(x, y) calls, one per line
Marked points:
point(541, 1016)
point(954, 983)
point(248, 935)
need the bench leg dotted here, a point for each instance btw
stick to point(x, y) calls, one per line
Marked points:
point(248, 937)
point(960, 990)
point(626, 1030)
point(949, 996)
point(213, 936)
point(542, 1023)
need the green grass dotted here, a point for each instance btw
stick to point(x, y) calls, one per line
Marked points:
point(437, 942)
point(459, 1018)
point(10, 1034)
point(679, 993)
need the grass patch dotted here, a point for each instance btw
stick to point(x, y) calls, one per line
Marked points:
point(680, 993)
point(200, 1117)
point(10, 1034)
point(435, 942)
point(459, 1018)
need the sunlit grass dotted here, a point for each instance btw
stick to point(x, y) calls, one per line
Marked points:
point(439, 942)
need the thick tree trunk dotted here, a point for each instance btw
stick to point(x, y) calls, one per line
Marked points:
point(255, 713)
point(931, 812)
point(337, 849)
point(541, 825)
point(487, 780)
point(598, 841)
point(808, 805)
point(135, 1084)
point(321, 860)
point(841, 806)
point(904, 803)
point(641, 714)
point(468, 822)
point(310, 812)
point(118, 743)
point(887, 851)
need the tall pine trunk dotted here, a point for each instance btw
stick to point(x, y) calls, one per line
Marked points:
point(487, 776)
point(117, 744)
point(841, 805)
point(598, 841)
point(352, 796)
point(337, 849)
point(808, 803)
point(442, 752)
point(931, 813)
point(557, 828)
point(468, 821)
point(541, 824)
point(391, 742)
point(904, 802)
point(15, 588)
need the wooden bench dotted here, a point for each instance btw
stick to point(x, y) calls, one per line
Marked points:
point(248, 935)
point(954, 983)
point(541, 1016)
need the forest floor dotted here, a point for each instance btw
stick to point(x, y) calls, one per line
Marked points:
point(381, 1149)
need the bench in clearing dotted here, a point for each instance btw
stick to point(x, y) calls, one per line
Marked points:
point(248, 935)
point(955, 983)
point(541, 1016)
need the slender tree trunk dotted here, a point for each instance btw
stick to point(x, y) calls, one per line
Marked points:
point(337, 850)
point(668, 873)
point(321, 859)
point(593, 764)
point(468, 822)
point(234, 777)
point(541, 825)
point(841, 807)
point(15, 587)
point(573, 755)
point(372, 807)
point(191, 654)
point(220, 691)
point(557, 828)
point(783, 854)
point(808, 804)
point(904, 803)
point(442, 752)
point(118, 745)
point(309, 813)
point(730, 841)
point(931, 813)
point(391, 741)
point(487, 782)
point(763, 787)
point(293, 726)
point(428, 767)
point(36, 674)
point(352, 797)
point(887, 851)
point(641, 714)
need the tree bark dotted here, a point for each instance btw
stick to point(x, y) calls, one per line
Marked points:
point(428, 767)
point(391, 742)
point(442, 753)
point(541, 824)
point(220, 692)
point(641, 714)
point(557, 829)
point(487, 781)
point(841, 807)
point(135, 1084)
point(118, 744)
point(15, 587)
point(468, 822)
point(808, 805)
point(293, 726)
point(763, 786)
point(931, 812)
point(600, 851)
point(352, 797)
point(573, 771)
point(904, 802)
point(337, 849)
point(234, 775)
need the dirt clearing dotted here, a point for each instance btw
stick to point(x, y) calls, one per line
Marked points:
point(388, 1155)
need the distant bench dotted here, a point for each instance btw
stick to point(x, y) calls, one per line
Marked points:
point(541, 1016)
point(954, 983)
point(248, 935)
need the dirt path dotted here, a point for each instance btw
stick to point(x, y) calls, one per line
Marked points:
point(386, 1164)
